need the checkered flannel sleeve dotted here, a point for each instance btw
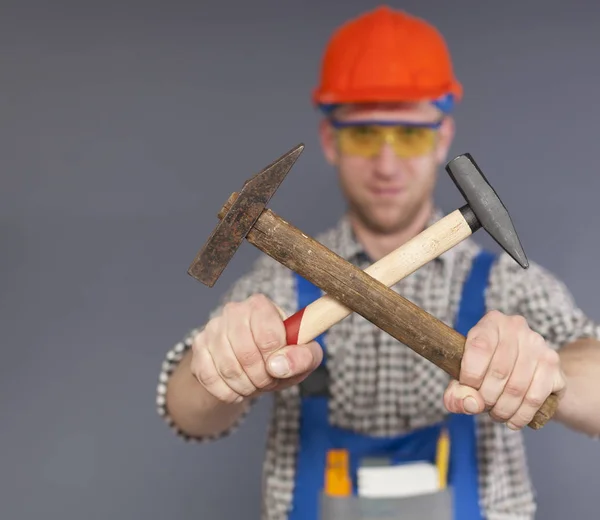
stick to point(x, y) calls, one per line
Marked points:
point(545, 302)
point(261, 278)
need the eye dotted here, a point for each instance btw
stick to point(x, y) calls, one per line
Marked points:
point(364, 130)
point(412, 132)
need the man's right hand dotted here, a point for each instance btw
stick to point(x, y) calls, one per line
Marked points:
point(243, 352)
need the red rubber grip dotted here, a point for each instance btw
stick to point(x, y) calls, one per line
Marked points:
point(292, 327)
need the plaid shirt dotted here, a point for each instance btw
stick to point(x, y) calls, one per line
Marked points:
point(381, 387)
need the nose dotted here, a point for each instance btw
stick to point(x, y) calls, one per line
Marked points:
point(387, 163)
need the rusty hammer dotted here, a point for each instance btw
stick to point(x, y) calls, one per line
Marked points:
point(350, 289)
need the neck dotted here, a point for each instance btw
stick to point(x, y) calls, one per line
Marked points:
point(378, 244)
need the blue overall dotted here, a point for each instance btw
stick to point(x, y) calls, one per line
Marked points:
point(317, 436)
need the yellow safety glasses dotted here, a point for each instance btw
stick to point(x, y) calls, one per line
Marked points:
point(366, 138)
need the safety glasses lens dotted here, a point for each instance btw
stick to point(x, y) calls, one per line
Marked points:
point(367, 140)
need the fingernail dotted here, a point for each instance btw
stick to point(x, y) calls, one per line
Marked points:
point(279, 366)
point(470, 405)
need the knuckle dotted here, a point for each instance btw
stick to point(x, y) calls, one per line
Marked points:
point(500, 414)
point(230, 370)
point(490, 400)
point(499, 372)
point(265, 382)
point(514, 389)
point(247, 390)
point(208, 379)
point(533, 401)
point(535, 342)
point(199, 340)
point(205, 375)
point(470, 377)
point(249, 356)
point(496, 415)
point(232, 308)
point(457, 403)
point(492, 315)
point(523, 417)
point(489, 403)
point(451, 404)
point(535, 338)
point(212, 328)
point(266, 335)
point(478, 340)
point(259, 301)
point(536, 345)
point(266, 338)
point(268, 385)
point(551, 358)
point(518, 321)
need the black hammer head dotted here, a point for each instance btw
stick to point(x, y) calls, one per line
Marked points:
point(486, 206)
point(225, 239)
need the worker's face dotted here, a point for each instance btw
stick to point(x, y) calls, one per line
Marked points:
point(387, 173)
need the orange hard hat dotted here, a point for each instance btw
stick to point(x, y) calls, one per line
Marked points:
point(386, 55)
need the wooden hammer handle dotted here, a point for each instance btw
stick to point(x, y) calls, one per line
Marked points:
point(317, 317)
point(403, 320)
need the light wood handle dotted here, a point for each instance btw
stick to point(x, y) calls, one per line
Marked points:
point(317, 317)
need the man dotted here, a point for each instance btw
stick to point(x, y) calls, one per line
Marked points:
point(387, 92)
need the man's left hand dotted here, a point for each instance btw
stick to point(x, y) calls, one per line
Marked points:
point(507, 369)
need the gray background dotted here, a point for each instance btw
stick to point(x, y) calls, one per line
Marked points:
point(125, 126)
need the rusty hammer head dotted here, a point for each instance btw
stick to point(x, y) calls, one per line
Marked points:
point(484, 207)
point(237, 222)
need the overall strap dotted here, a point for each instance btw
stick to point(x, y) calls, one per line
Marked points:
point(463, 465)
point(472, 303)
point(317, 383)
point(314, 439)
point(308, 293)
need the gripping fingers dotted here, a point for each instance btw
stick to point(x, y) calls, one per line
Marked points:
point(253, 330)
point(544, 382)
point(516, 387)
point(205, 371)
point(500, 368)
point(213, 354)
point(230, 369)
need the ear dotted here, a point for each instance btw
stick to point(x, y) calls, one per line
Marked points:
point(445, 138)
point(327, 139)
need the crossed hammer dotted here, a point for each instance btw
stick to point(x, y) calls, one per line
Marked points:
point(349, 289)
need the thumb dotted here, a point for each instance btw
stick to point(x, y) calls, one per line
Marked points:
point(463, 399)
point(294, 360)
